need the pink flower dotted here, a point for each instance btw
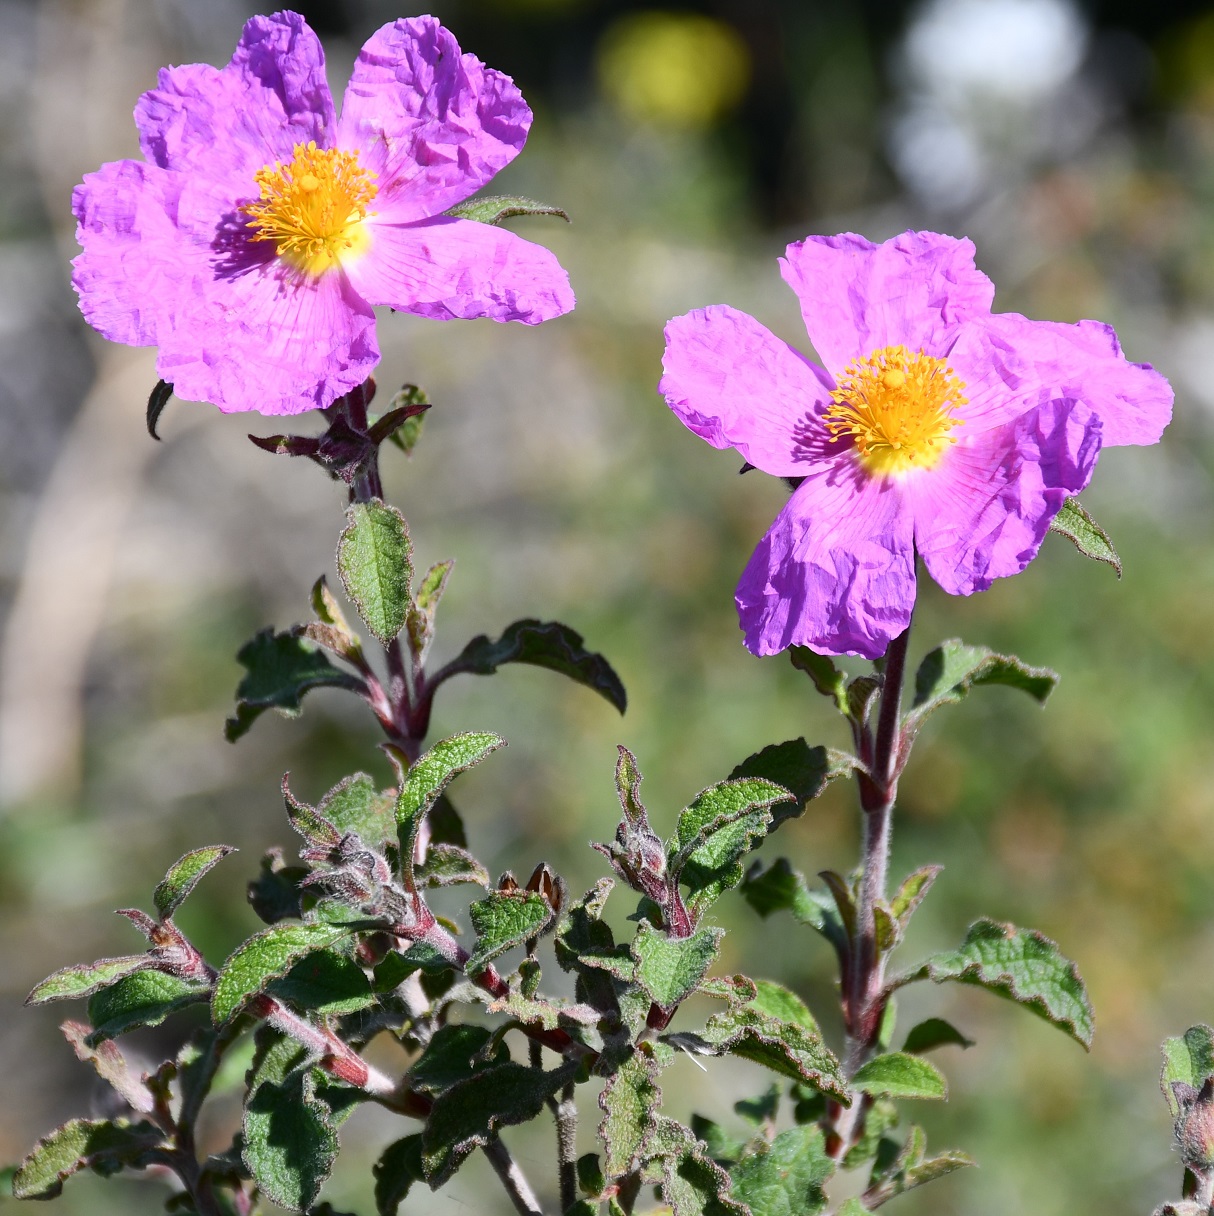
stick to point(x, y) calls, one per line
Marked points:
point(936, 428)
point(253, 241)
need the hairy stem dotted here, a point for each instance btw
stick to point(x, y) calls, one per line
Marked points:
point(513, 1179)
point(566, 1146)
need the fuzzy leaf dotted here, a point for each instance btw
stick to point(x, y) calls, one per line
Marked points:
point(542, 644)
point(326, 982)
point(820, 668)
point(492, 209)
point(692, 1184)
point(791, 1048)
point(932, 1033)
point(143, 998)
point(426, 779)
point(504, 919)
point(947, 674)
point(775, 1001)
point(83, 979)
point(373, 559)
point(183, 876)
point(465, 1116)
point(281, 668)
point(398, 1168)
point(910, 894)
point(781, 889)
point(289, 1143)
point(111, 1066)
point(1073, 522)
point(355, 805)
point(670, 968)
point(425, 607)
point(264, 957)
point(802, 770)
point(454, 1055)
point(447, 864)
point(785, 1178)
point(104, 1146)
point(1187, 1059)
point(404, 405)
point(911, 1168)
point(1022, 965)
point(900, 1075)
point(629, 1101)
point(277, 893)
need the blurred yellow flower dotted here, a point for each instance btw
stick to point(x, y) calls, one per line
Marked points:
point(673, 69)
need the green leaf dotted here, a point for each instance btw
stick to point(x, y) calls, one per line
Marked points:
point(398, 1168)
point(355, 805)
point(802, 770)
point(447, 864)
point(781, 889)
point(504, 919)
point(264, 957)
point(426, 779)
point(111, 1066)
point(289, 1142)
point(326, 982)
point(911, 1168)
point(143, 998)
point(670, 968)
point(692, 1184)
point(454, 1054)
point(910, 894)
point(277, 892)
point(827, 678)
point(104, 1146)
point(882, 1117)
point(492, 209)
point(722, 824)
point(1022, 965)
point(83, 979)
point(373, 559)
point(900, 1075)
point(331, 630)
point(543, 644)
point(792, 1049)
point(1073, 522)
point(183, 877)
point(853, 1207)
point(590, 1177)
point(760, 1111)
point(861, 693)
point(465, 1116)
point(406, 435)
point(281, 668)
point(775, 1001)
point(1187, 1059)
point(425, 606)
point(629, 1101)
point(947, 674)
point(932, 1033)
point(786, 1178)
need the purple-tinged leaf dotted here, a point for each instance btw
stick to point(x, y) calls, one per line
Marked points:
point(105, 1146)
point(1188, 1060)
point(405, 433)
point(183, 877)
point(398, 1168)
point(157, 400)
point(83, 979)
point(111, 1066)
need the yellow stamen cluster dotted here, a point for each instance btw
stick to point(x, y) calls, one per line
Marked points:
point(898, 408)
point(313, 207)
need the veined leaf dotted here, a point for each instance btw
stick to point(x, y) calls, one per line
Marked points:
point(947, 674)
point(1073, 522)
point(492, 209)
point(183, 877)
point(374, 561)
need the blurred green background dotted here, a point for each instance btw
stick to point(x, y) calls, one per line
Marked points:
point(1075, 145)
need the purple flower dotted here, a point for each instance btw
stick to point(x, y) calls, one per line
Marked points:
point(935, 427)
point(252, 242)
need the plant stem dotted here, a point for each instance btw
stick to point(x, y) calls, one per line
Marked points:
point(516, 1184)
point(566, 1146)
point(863, 1007)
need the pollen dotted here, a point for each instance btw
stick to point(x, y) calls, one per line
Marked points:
point(313, 207)
point(898, 408)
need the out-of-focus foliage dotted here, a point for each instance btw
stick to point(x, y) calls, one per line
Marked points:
point(1074, 144)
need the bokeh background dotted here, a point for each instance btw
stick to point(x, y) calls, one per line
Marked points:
point(689, 142)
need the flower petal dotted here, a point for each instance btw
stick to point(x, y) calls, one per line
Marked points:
point(984, 510)
point(229, 122)
point(447, 268)
point(269, 339)
point(128, 272)
point(857, 297)
point(1044, 360)
point(836, 571)
point(731, 381)
point(435, 125)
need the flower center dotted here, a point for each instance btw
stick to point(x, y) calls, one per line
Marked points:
point(313, 207)
point(898, 408)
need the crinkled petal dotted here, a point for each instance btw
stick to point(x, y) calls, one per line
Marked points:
point(857, 297)
point(734, 383)
point(447, 268)
point(130, 268)
point(435, 125)
point(269, 339)
point(836, 571)
point(229, 122)
point(1037, 361)
point(983, 511)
